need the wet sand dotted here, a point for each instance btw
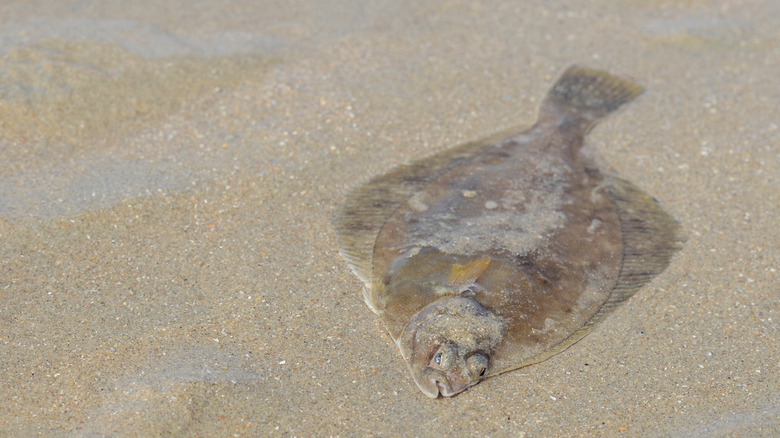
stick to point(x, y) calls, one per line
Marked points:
point(170, 176)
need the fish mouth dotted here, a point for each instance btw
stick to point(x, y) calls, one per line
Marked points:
point(445, 389)
point(433, 383)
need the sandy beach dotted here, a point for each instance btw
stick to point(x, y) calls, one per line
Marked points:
point(169, 176)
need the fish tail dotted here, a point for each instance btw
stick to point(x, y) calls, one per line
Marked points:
point(582, 96)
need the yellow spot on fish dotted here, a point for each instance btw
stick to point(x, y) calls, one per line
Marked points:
point(463, 275)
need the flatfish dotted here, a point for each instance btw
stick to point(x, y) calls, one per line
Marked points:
point(499, 253)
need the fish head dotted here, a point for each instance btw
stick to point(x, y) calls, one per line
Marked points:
point(448, 345)
point(452, 370)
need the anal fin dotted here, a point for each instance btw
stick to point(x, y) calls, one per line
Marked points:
point(650, 238)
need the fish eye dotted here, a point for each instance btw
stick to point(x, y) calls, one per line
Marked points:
point(443, 357)
point(477, 365)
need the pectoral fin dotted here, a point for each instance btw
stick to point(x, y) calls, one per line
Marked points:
point(464, 275)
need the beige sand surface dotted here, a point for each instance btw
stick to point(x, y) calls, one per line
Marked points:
point(169, 176)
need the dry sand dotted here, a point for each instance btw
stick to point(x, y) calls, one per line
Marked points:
point(169, 176)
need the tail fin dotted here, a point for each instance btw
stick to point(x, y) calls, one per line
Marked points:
point(582, 96)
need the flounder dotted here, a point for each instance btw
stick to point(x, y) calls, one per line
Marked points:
point(500, 253)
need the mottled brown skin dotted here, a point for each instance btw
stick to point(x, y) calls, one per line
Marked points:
point(552, 278)
point(552, 234)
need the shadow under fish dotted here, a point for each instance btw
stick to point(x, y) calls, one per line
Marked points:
point(500, 253)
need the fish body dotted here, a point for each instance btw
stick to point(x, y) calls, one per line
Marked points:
point(499, 253)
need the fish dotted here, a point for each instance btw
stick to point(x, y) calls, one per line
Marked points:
point(502, 252)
